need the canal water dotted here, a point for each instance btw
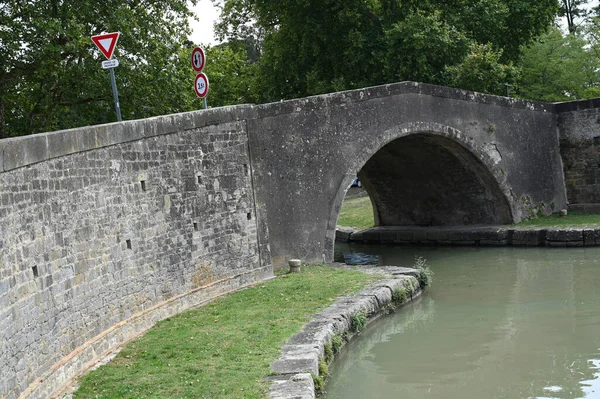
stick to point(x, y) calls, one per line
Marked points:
point(496, 323)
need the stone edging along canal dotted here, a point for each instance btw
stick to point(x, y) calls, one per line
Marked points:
point(297, 368)
point(475, 235)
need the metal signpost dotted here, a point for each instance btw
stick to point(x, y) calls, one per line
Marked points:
point(201, 81)
point(107, 43)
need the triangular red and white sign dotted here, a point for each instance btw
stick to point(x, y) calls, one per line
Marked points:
point(106, 43)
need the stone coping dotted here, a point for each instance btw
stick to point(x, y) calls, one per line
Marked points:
point(293, 373)
point(475, 235)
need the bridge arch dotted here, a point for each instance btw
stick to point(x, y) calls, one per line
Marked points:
point(440, 176)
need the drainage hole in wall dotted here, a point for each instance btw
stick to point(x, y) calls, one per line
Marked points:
point(128, 244)
point(199, 180)
point(35, 271)
point(143, 183)
point(196, 226)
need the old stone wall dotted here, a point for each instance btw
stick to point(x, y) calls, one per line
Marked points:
point(579, 126)
point(135, 222)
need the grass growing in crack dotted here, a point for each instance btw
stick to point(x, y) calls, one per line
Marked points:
point(358, 321)
point(399, 296)
point(319, 382)
point(223, 349)
point(336, 343)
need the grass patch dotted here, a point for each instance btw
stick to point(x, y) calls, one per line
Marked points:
point(223, 349)
point(356, 212)
point(573, 219)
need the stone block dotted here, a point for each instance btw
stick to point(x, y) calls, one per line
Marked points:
point(357, 236)
point(24, 151)
point(343, 233)
point(387, 236)
point(589, 238)
point(564, 235)
point(292, 386)
point(371, 235)
point(297, 359)
point(382, 294)
point(528, 238)
point(404, 236)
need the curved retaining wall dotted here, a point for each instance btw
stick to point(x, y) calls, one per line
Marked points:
point(300, 356)
point(106, 230)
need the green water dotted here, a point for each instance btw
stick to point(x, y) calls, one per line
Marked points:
point(497, 323)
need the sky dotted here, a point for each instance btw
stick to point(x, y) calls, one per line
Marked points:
point(202, 29)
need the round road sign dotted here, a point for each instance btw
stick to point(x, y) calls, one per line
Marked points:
point(198, 59)
point(201, 85)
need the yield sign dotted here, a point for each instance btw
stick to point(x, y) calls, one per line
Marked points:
point(106, 43)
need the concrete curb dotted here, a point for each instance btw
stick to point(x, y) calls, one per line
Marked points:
point(293, 372)
point(478, 235)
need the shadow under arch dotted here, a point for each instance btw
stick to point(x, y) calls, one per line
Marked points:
point(428, 174)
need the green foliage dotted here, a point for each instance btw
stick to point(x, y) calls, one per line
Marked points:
point(323, 368)
point(560, 68)
point(482, 70)
point(231, 75)
point(223, 348)
point(572, 11)
point(50, 72)
point(314, 47)
point(358, 321)
point(328, 349)
point(420, 48)
point(336, 343)
point(425, 277)
point(399, 296)
point(319, 383)
point(425, 273)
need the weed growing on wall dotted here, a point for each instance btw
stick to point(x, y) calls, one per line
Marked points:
point(358, 321)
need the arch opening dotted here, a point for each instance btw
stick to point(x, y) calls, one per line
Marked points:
point(427, 179)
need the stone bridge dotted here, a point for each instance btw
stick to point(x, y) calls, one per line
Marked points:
point(105, 230)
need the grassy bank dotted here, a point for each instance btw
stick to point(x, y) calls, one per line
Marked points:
point(573, 219)
point(356, 212)
point(221, 350)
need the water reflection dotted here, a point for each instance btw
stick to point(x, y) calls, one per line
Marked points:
point(498, 323)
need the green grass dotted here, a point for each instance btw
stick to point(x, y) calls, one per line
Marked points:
point(223, 349)
point(356, 212)
point(573, 219)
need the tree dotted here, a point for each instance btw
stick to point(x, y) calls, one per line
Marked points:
point(481, 70)
point(310, 47)
point(231, 73)
point(573, 10)
point(559, 68)
point(50, 74)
